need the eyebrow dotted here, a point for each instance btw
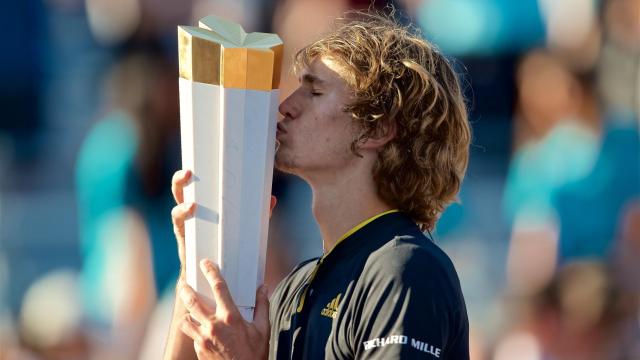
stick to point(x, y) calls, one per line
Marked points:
point(311, 79)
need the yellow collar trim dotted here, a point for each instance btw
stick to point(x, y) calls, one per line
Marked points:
point(346, 235)
point(358, 227)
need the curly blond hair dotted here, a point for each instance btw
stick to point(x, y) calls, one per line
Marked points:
point(403, 84)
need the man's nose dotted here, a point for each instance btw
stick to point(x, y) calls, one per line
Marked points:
point(288, 107)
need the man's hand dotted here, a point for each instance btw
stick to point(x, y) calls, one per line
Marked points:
point(184, 210)
point(220, 332)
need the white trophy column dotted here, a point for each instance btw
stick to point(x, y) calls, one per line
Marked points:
point(248, 153)
point(200, 136)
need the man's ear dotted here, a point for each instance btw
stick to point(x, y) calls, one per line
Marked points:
point(375, 142)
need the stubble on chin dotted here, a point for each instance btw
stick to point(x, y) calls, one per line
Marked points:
point(283, 162)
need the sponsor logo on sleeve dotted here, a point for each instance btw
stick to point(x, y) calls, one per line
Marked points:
point(403, 340)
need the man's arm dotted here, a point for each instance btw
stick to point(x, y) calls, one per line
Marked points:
point(179, 345)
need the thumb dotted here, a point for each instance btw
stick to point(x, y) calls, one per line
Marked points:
point(261, 314)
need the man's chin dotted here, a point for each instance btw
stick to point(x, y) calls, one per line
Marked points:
point(284, 165)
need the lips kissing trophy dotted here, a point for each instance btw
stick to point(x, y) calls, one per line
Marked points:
point(228, 106)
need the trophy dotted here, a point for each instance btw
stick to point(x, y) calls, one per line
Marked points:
point(228, 106)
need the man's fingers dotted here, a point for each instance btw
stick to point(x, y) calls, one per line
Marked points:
point(189, 328)
point(274, 200)
point(179, 214)
point(261, 313)
point(196, 306)
point(225, 307)
point(179, 180)
point(201, 344)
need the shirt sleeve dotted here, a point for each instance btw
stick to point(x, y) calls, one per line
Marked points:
point(409, 306)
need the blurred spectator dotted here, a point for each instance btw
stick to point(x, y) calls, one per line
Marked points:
point(591, 209)
point(292, 21)
point(51, 319)
point(619, 65)
point(122, 174)
point(583, 313)
point(627, 250)
point(157, 158)
point(556, 144)
point(480, 27)
point(573, 31)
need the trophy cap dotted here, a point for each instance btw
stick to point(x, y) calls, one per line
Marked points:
point(220, 52)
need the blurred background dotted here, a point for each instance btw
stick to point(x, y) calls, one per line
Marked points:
point(546, 238)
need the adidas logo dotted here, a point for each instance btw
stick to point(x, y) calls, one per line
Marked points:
point(331, 310)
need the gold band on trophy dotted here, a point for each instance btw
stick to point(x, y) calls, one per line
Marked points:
point(221, 53)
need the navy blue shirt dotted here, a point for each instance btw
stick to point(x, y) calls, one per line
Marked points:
point(384, 292)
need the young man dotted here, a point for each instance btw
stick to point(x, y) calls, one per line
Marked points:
point(379, 130)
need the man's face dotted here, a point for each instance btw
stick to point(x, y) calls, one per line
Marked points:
point(315, 134)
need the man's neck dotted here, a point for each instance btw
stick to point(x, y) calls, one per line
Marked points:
point(343, 202)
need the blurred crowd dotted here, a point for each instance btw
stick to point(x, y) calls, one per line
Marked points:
point(546, 236)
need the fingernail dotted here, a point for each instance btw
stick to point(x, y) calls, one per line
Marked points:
point(264, 290)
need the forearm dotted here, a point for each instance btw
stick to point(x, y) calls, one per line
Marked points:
point(179, 345)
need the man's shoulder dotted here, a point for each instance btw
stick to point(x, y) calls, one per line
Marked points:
point(409, 287)
point(399, 245)
point(413, 260)
point(410, 250)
